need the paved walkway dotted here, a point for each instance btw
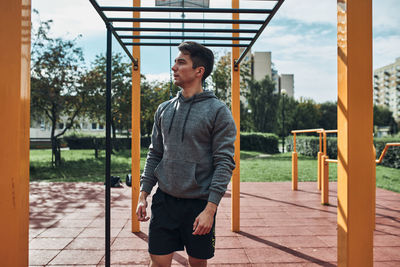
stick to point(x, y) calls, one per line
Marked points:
point(279, 227)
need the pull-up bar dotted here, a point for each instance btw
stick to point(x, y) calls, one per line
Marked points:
point(187, 10)
point(231, 26)
point(228, 22)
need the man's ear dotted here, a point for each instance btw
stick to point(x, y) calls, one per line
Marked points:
point(200, 71)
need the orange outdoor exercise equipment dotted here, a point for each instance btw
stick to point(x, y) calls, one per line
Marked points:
point(356, 156)
point(15, 26)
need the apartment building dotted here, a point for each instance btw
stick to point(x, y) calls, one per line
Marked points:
point(387, 87)
point(262, 66)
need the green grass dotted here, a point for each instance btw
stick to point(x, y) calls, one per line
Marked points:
point(81, 165)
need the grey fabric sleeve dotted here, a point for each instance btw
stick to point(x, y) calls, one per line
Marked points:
point(223, 138)
point(154, 156)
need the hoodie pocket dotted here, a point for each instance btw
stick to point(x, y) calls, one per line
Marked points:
point(176, 176)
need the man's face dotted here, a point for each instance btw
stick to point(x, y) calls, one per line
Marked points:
point(184, 74)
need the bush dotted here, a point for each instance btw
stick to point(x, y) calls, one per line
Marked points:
point(91, 142)
point(261, 142)
point(309, 146)
point(392, 157)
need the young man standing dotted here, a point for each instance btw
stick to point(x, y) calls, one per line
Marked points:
point(191, 159)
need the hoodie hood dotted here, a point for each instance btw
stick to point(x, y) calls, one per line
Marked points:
point(197, 97)
point(193, 99)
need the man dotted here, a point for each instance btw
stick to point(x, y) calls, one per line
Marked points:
point(191, 159)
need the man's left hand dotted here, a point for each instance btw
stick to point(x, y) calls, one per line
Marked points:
point(203, 223)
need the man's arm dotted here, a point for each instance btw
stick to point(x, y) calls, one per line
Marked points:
point(141, 207)
point(154, 156)
point(204, 222)
point(223, 138)
point(223, 150)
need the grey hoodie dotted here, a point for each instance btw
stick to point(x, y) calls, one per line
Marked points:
point(192, 148)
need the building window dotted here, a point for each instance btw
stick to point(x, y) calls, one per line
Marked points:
point(42, 125)
point(94, 126)
point(101, 126)
point(61, 125)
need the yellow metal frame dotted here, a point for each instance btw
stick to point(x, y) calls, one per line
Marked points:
point(135, 171)
point(15, 22)
point(235, 80)
point(356, 188)
point(356, 179)
point(295, 172)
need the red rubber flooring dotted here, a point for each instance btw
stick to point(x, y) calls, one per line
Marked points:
point(279, 227)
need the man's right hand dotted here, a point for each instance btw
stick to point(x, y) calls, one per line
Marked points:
point(141, 212)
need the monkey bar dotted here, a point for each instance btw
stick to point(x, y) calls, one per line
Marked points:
point(135, 39)
point(356, 168)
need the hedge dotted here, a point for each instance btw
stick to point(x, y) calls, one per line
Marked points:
point(261, 142)
point(308, 145)
point(75, 142)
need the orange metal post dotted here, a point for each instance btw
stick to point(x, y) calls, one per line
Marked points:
point(135, 126)
point(319, 174)
point(325, 181)
point(355, 155)
point(374, 189)
point(14, 135)
point(236, 115)
point(294, 171)
point(294, 164)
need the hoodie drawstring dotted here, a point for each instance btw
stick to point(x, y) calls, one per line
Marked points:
point(187, 115)
point(173, 116)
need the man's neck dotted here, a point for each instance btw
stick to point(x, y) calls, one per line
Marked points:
point(188, 92)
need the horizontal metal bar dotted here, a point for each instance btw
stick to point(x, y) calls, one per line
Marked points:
point(308, 130)
point(185, 30)
point(183, 37)
point(267, 20)
point(332, 160)
point(160, 37)
point(109, 25)
point(178, 20)
point(187, 10)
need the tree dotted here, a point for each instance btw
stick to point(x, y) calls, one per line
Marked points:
point(152, 95)
point(328, 115)
point(221, 78)
point(56, 89)
point(289, 112)
point(263, 103)
point(94, 82)
point(307, 114)
point(221, 81)
point(384, 117)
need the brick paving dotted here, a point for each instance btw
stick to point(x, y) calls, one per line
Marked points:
point(279, 227)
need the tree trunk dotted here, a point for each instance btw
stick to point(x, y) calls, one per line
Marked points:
point(55, 148)
point(114, 137)
point(96, 147)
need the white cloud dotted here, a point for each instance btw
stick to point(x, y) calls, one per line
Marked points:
point(159, 77)
point(309, 11)
point(386, 50)
point(301, 36)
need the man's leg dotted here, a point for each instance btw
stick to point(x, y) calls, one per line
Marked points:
point(161, 260)
point(195, 262)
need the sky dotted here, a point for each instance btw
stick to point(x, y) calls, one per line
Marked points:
point(301, 37)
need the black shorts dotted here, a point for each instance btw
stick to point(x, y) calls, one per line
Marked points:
point(171, 227)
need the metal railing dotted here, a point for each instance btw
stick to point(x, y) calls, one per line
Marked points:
point(323, 161)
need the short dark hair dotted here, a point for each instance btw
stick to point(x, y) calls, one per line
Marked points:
point(200, 55)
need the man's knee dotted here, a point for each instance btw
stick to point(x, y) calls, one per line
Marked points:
point(160, 260)
point(195, 262)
